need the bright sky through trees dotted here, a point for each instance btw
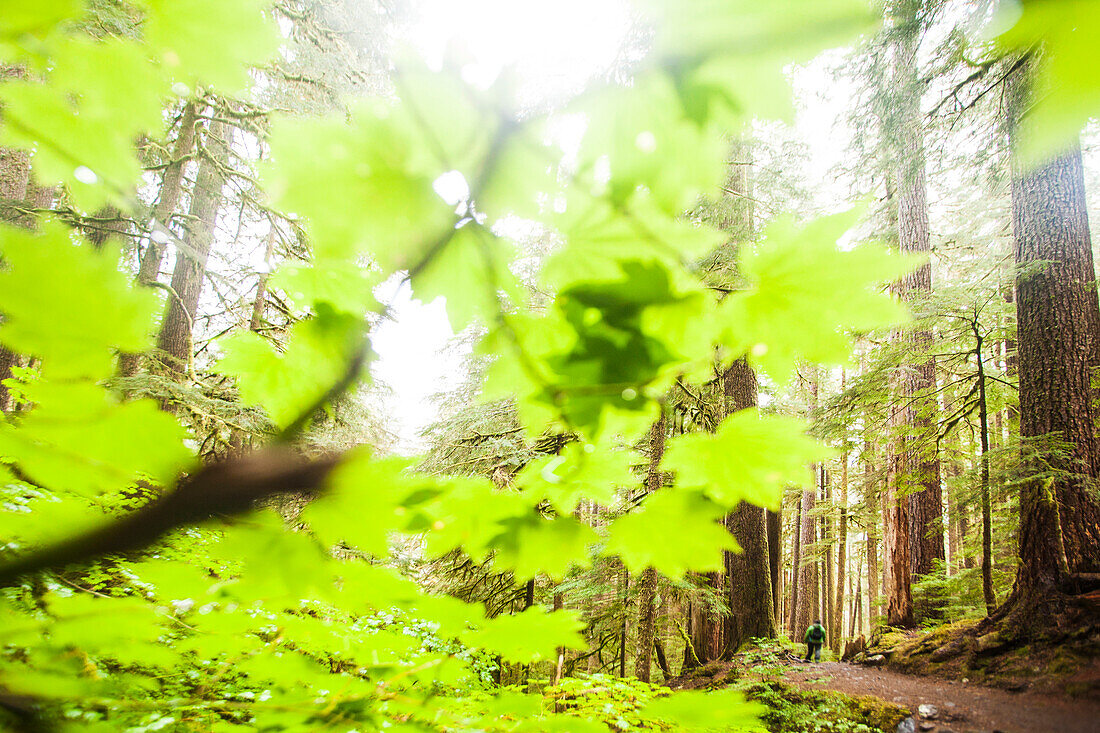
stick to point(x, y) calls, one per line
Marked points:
point(551, 48)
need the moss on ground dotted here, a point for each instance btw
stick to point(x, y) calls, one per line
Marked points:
point(1050, 660)
point(757, 670)
point(792, 710)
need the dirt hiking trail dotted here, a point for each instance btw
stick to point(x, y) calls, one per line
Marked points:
point(958, 707)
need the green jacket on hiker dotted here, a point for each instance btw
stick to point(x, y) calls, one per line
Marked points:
point(815, 638)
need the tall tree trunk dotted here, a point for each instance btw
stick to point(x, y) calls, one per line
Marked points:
point(871, 545)
point(951, 500)
point(647, 624)
point(917, 465)
point(899, 599)
point(1057, 317)
point(796, 564)
point(647, 584)
point(987, 514)
point(857, 598)
point(623, 628)
point(190, 270)
point(807, 609)
point(258, 303)
point(828, 597)
point(774, 523)
point(17, 193)
point(15, 172)
point(752, 610)
point(559, 604)
point(171, 191)
point(841, 555)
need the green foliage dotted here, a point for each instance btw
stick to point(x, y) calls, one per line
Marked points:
point(598, 703)
point(790, 710)
point(251, 623)
point(699, 544)
point(805, 297)
point(73, 120)
point(751, 458)
point(1067, 90)
point(616, 702)
point(99, 313)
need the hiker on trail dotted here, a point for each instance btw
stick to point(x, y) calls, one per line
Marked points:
point(815, 637)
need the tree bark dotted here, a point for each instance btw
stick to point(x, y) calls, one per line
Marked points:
point(559, 604)
point(623, 628)
point(17, 191)
point(647, 584)
point(841, 555)
point(828, 597)
point(189, 274)
point(857, 611)
point(171, 190)
point(796, 563)
point(752, 609)
point(871, 545)
point(1057, 317)
point(260, 301)
point(899, 599)
point(15, 171)
point(987, 514)
point(917, 465)
point(647, 624)
point(806, 610)
point(774, 523)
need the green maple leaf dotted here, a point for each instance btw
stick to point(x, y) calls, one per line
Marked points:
point(275, 563)
point(639, 137)
point(74, 329)
point(211, 42)
point(532, 545)
point(807, 295)
point(601, 234)
point(582, 471)
point(36, 18)
point(469, 515)
point(691, 539)
point(1067, 87)
point(468, 273)
point(345, 286)
point(750, 458)
point(316, 356)
point(365, 502)
point(529, 636)
point(79, 438)
point(73, 121)
point(695, 710)
point(362, 186)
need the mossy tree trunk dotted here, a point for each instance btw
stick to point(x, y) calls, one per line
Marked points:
point(914, 532)
point(647, 583)
point(837, 632)
point(189, 274)
point(1058, 318)
point(752, 610)
point(166, 207)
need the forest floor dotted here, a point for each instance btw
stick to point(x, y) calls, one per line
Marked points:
point(800, 695)
point(959, 706)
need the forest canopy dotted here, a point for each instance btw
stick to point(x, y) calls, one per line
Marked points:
point(685, 382)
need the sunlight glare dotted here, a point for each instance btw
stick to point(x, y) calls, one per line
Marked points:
point(559, 44)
